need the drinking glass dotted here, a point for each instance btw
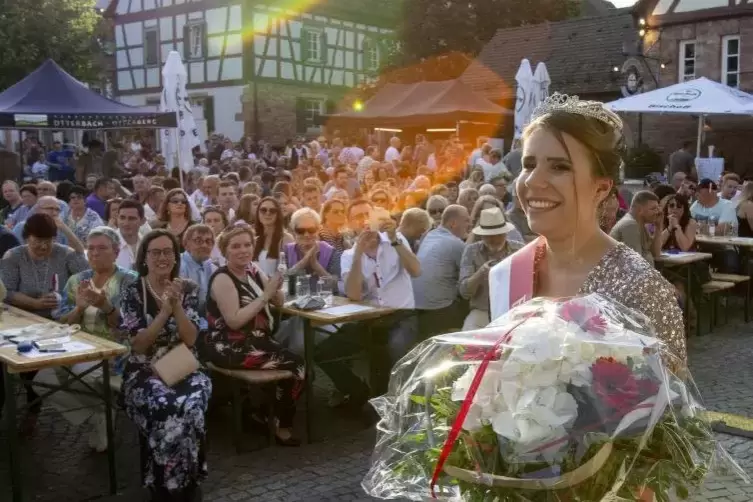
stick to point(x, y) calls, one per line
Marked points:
point(302, 288)
point(325, 290)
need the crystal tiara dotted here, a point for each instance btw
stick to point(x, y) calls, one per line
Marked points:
point(572, 104)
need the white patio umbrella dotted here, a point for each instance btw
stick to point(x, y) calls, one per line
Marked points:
point(180, 141)
point(523, 108)
point(695, 97)
point(541, 83)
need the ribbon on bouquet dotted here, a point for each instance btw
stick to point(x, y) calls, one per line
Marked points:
point(457, 425)
point(511, 280)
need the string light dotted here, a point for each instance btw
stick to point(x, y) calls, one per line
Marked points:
point(358, 106)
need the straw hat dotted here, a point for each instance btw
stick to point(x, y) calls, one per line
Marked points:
point(493, 222)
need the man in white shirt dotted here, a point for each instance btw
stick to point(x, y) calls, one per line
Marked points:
point(153, 203)
point(393, 152)
point(495, 167)
point(477, 153)
point(228, 198)
point(709, 206)
point(377, 270)
point(130, 218)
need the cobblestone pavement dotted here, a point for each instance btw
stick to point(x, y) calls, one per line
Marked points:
point(58, 467)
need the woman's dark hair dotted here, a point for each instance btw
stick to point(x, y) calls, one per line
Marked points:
point(602, 141)
point(663, 190)
point(41, 226)
point(108, 207)
point(76, 190)
point(163, 215)
point(681, 201)
point(29, 188)
point(141, 267)
point(64, 190)
point(274, 248)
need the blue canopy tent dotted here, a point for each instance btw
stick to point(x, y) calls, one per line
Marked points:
point(50, 98)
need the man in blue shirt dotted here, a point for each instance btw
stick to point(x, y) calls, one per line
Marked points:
point(59, 161)
point(97, 200)
point(198, 242)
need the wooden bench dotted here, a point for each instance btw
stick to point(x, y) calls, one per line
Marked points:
point(737, 279)
point(241, 379)
point(711, 289)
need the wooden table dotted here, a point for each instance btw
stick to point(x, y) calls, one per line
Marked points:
point(313, 319)
point(746, 242)
point(14, 363)
point(684, 259)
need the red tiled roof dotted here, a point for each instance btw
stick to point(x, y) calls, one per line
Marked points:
point(579, 53)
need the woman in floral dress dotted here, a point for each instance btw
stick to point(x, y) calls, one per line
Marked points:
point(241, 324)
point(159, 311)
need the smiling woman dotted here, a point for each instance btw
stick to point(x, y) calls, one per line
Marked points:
point(570, 163)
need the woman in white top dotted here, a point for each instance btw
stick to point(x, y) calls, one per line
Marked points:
point(270, 235)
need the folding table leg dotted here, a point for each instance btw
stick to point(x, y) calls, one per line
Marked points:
point(9, 381)
point(108, 425)
point(308, 354)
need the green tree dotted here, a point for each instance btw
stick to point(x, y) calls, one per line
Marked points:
point(67, 31)
point(432, 30)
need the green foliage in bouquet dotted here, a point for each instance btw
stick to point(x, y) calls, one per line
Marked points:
point(676, 457)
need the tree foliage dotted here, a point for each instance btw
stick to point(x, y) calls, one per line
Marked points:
point(70, 32)
point(430, 30)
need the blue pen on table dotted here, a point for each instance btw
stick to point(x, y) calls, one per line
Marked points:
point(49, 351)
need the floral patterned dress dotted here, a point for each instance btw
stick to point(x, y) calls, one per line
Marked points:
point(252, 347)
point(171, 418)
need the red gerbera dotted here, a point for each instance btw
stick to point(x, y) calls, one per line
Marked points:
point(588, 318)
point(615, 385)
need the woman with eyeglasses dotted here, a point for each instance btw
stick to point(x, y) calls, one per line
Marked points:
point(381, 198)
point(309, 255)
point(175, 214)
point(241, 326)
point(159, 312)
point(81, 219)
point(333, 224)
point(270, 235)
point(92, 300)
point(679, 228)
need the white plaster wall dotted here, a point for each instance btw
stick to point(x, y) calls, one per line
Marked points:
point(227, 103)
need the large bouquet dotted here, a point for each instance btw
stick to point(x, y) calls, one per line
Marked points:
point(556, 401)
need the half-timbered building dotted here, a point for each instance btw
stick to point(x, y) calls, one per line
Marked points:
point(260, 68)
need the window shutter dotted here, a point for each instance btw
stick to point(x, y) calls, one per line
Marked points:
point(323, 42)
point(204, 41)
point(186, 42)
point(304, 45)
point(300, 116)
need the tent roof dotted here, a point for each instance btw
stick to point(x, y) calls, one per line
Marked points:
point(699, 96)
point(51, 98)
point(422, 101)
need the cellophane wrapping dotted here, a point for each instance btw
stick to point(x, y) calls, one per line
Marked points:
point(569, 401)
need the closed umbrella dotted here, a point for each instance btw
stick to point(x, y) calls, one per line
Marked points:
point(180, 141)
point(523, 110)
point(541, 83)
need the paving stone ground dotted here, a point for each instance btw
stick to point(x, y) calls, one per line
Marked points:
point(58, 467)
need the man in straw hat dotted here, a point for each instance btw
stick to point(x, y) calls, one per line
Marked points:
point(478, 258)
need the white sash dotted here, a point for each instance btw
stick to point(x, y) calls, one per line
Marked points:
point(511, 280)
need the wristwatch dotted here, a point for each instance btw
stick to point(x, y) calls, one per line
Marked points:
point(395, 243)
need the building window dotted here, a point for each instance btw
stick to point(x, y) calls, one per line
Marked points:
point(687, 60)
point(731, 60)
point(195, 36)
point(370, 55)
point(313, 110)
point(151, 46)
point(312, 40)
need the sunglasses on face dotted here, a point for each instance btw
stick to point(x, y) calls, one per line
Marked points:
point(437, 210)
point(304, 231)
point(178, 201)
point(268, 210)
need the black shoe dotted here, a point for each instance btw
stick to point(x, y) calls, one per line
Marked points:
point(291, 441)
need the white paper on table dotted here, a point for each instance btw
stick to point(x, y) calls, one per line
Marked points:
point(345, 309)
point(69, 347)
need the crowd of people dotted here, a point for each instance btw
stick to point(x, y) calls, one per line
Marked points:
point(129, 253)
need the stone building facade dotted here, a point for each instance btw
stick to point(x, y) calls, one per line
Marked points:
point(705, 38)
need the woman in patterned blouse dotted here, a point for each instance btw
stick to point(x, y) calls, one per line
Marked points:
point(81, 219)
